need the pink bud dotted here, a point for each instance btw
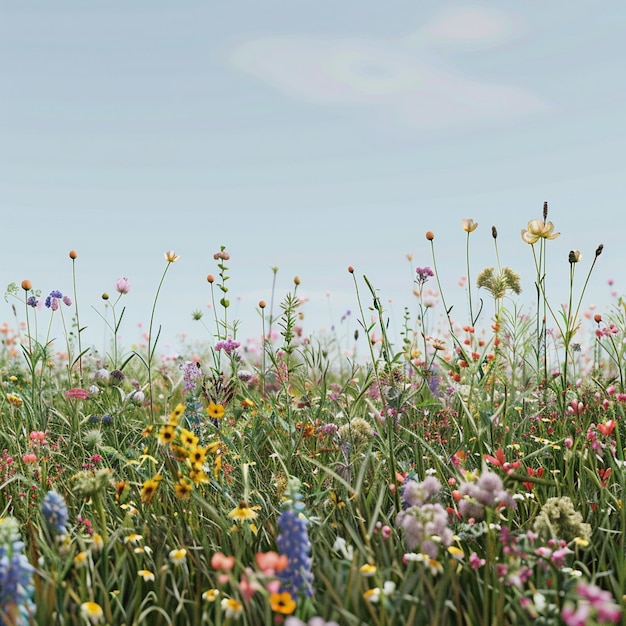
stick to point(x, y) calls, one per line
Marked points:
point(122, 285)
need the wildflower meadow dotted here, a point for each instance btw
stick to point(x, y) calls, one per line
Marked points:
point(469, 473)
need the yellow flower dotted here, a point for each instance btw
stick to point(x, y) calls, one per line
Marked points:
point(146, 574)
point(97, 543)
point(469, 225)
point(178, 556)
point(183, 488)
point(171, 256)
point(92, 612)
point(211, 595)
point(133, 538)
point(537, 230)
point(282, 603)
point(167, 434)
point(243, 512)
point(176, 414)
point(187, 438)
point(14, 399)
point(81, 559)
point(456, 553)
point(368, 570)
point(149, 488)
point(215, 411)
point(372, 595)
point(197, 456)
point(232, 608)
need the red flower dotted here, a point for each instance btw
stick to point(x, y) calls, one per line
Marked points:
point(500, 461)
point(77, 393)
point(531, 472)
point(607, 429)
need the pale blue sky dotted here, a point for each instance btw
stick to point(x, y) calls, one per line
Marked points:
point(308, 136)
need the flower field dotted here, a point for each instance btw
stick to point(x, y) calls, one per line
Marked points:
point(471, 473)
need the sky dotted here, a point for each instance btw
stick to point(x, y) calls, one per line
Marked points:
point(304, 136)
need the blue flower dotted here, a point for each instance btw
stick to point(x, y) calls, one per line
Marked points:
point(16, 576)
point(54, 510)
point(293, 542)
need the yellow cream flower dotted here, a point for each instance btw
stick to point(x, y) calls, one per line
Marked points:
point(538, 229)
point(92, 612)
point(469, 225)
point(171, 256)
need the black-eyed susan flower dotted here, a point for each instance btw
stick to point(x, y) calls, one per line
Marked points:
point(149, 488)
point(176, 414)
point(197, 456)
point(215, 411)
point(167, 434)
point(187, 438)
point(282, 603)
point(183, 488)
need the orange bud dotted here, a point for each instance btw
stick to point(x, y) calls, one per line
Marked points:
point(27, 285)
point(73, 254)
point(430, 235)
point(210, 278)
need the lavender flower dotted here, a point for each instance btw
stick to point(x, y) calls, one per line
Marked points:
point(54, 510)
point(16, 577)
point(32, 301)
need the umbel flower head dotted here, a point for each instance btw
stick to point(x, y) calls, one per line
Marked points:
point(499, 283)
point(538, 229)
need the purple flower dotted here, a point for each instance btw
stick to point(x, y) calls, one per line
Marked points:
point(67, 301)
point(423, 274)
point(227, 345)
point(32, 301)
point(191, 372)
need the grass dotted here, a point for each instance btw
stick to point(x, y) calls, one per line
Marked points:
point(473, 474)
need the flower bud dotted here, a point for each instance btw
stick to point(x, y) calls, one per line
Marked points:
point(73, 254)
point(430, 235)
point(27, 285)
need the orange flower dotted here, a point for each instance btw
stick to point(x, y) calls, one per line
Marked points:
point(282, 603)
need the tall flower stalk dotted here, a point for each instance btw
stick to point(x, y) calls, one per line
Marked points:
point(539, 231)
point(170, 257)
point(469, 226)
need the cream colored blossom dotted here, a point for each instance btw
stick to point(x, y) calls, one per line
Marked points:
point(538, 229)
point(469, 225)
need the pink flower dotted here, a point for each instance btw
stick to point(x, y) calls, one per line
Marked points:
point(77, 393)
point(222, 562)
point(122, 285)
point(29, 458)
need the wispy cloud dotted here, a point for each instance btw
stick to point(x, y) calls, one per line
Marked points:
point(397, 77)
